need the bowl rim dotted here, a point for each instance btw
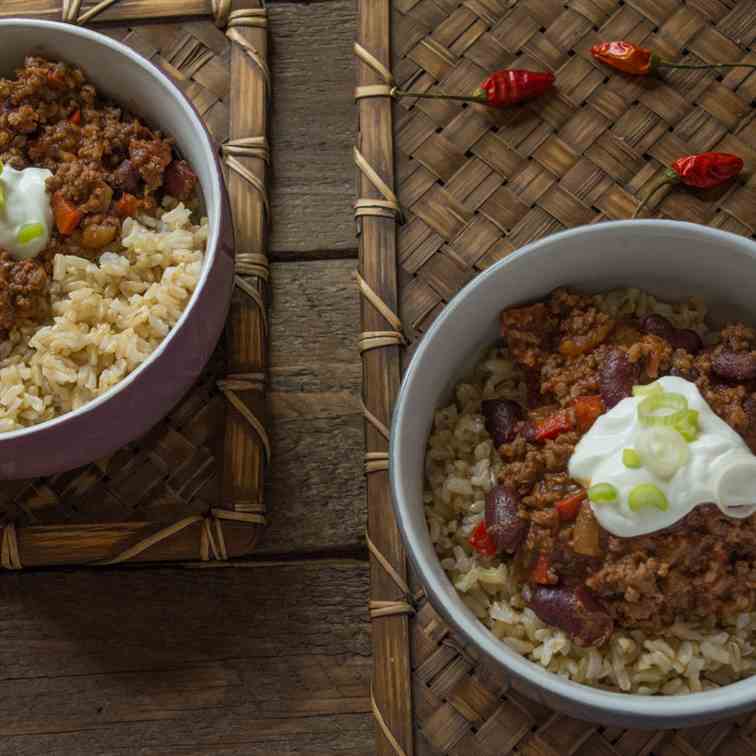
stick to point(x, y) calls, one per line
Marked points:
point(214, 209)
point(658, 708)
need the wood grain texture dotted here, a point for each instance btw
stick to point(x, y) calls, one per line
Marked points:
point(316, 491)
point(123, 10)
point(312, 127)
point(271, 659)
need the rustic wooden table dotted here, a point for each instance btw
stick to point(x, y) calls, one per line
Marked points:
point(270, 656)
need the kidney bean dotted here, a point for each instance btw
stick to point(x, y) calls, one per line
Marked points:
point(126, 177)
point(749, 433)
point(684, 338)
point(179, 180)
point(501, 415)
point(617, 376)
point(734, 366)
point(657, 325)
point(678, 338)
point(503, 520)
point(574, 610)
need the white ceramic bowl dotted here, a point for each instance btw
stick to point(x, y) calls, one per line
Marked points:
point(146, 395)
point(671, 260)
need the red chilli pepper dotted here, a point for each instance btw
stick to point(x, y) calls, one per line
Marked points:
point(553, 426)
point(568, 508)
point(640, 61)
point(500, 89)
point(703, 171)
point(481, 541)
point(587, 409)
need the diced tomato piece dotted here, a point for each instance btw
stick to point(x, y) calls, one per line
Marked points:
point(587, 409)
point(553, 426)
point(541, 573)
point(481, 541)
point(569, 507)
point(67, 215)
point(127, 205)
point(75, 117)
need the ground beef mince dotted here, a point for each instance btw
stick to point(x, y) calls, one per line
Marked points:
point(581, 578)
point(106, 165)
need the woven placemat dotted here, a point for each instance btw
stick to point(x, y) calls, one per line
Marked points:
point(472, 185)
point(192, 488)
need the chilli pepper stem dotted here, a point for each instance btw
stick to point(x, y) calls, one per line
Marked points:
point(437, 96)
point(667, 64)
point(669, 177)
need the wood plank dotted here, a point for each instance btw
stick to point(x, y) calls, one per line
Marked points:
point(313, 126)
point(271, 659)
point(316, 489)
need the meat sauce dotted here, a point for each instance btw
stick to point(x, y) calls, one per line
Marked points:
point(578, 576)
point(106, 165)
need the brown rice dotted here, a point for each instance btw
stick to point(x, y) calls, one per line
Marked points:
point(108, 316)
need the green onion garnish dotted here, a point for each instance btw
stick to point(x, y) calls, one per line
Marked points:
point(631, 458)
point(687, 425)
point(650, 389)
point(602, 493)
point(29, 232)
point(2, 197)
point(650, 409)
point(647, 495)
point(662, 450)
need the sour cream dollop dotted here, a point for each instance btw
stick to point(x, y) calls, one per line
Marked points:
point(720, 467)
point(26, 202)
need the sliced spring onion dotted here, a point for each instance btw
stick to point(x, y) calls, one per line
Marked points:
point(29, 232)
point(662, 450)
point(2, 196)
point(647, 495)
point(662, 409)
point(649, 390)
point(602, 493)
point(687, 425)
point(631, 458)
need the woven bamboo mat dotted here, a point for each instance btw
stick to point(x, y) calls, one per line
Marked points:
point(192, 488)
point(472, 185)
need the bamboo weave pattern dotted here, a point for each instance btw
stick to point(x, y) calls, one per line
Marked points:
point(475, 184)
point(159, 498)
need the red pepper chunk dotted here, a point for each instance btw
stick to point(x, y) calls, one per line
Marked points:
point(481, 541)
point(569, 507)
point(541, 573)
point(587, 409)
point(553, 426)
point(67, 215)
point(75, 117)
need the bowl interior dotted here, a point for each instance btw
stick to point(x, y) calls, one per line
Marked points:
point(669, 259)
point(129, 80)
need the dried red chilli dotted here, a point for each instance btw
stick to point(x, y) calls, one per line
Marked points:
point(702, 171)
point(500, 89)
point(640, 61)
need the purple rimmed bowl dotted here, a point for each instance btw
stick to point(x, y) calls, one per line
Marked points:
point(141, 399)
point(672, 261)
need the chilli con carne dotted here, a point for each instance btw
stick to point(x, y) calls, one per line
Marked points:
point(106, 165)
point(578, 576)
